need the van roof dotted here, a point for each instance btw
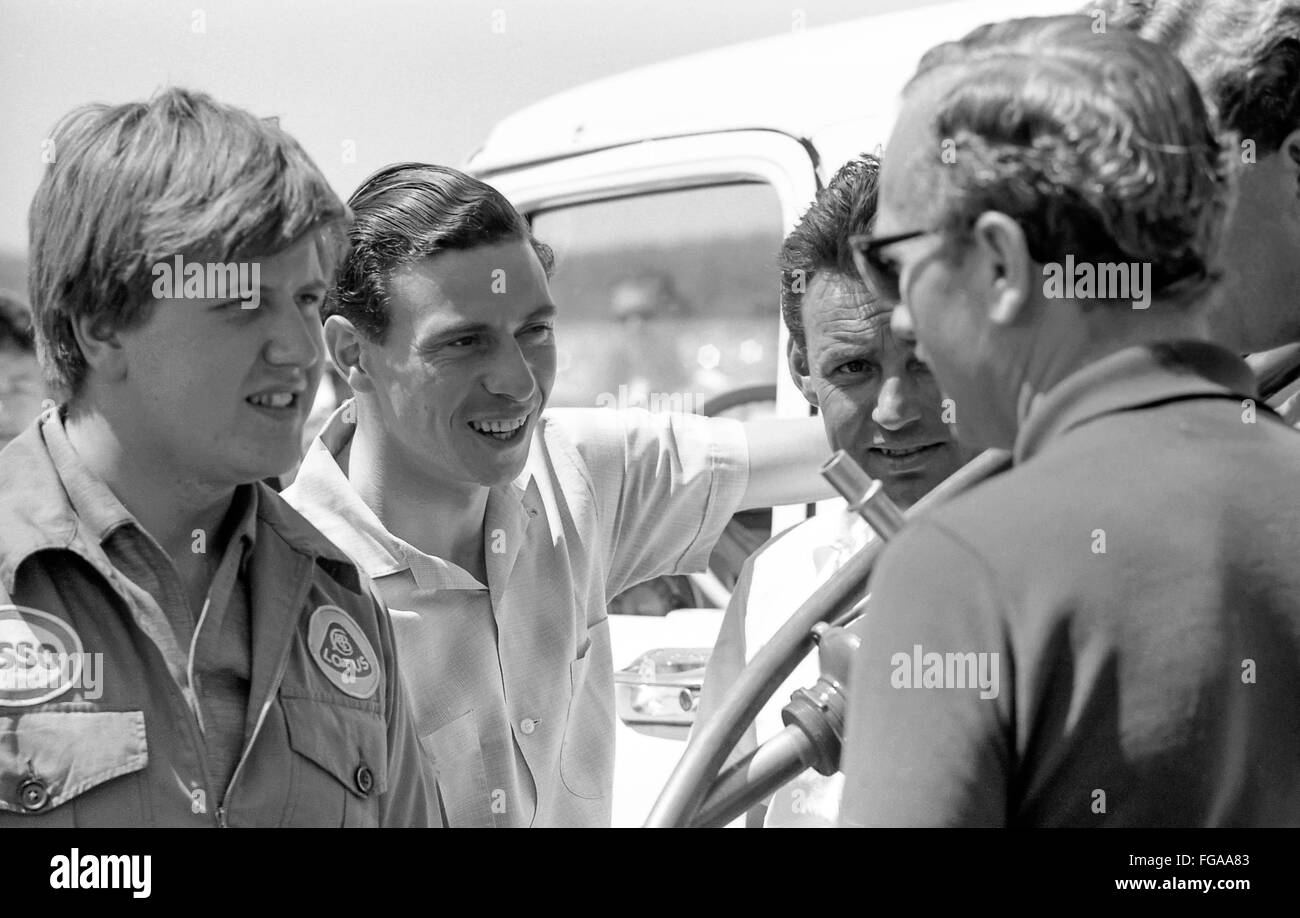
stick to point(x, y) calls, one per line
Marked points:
point(798, 83)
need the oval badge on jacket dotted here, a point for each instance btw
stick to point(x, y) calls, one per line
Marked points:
point(341, 650)
point(40, 656)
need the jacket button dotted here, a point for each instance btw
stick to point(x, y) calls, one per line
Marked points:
point(528, 725)
point(33, 794)
point(364, 779)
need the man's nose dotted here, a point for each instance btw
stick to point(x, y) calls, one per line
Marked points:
point(297, 339)
point(904, 331)
point(897, 403)
point(509, 374)
point(900, 324)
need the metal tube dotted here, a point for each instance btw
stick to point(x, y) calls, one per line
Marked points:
point(865, 495)
point(770, 766)
point(710, 745)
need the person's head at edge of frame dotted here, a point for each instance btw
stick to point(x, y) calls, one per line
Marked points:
point(877, 400)
point(180, 253)
point(442, 323)
point(1027, 156)
point(1245, 54)
point(21, 391)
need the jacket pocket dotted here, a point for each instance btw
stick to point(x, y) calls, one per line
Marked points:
point(340, 763)
point(587, 751)
point(49, 759)
point(457, 753)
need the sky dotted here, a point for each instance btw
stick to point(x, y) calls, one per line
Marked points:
point(360, 84)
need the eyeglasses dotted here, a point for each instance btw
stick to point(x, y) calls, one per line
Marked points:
point(879, 273)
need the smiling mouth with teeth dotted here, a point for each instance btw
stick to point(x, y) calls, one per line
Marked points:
point(500, 430)
point(903, 453)
point(273, 399)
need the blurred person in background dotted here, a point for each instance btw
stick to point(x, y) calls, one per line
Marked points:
point(21, 390)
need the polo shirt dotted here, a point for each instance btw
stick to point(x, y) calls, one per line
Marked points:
point(512, 680)
point(1106, 635)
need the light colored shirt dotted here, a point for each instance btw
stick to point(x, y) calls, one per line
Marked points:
point(776, 580)
point(512, 680)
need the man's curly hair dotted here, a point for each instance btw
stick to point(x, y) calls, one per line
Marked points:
point(819, 244)
point(1098, 144)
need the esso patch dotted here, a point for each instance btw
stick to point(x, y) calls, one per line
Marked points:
point(40, 656)
point(341, 650)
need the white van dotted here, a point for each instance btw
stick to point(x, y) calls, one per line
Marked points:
point(666, 192)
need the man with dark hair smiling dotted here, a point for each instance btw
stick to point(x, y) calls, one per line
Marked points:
point(498, 533)
point(1109, 633)
point(182, 648)
point(879, 403)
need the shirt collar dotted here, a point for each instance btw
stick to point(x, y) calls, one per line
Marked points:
point(323, 494)
point(97, 507)
point(1135, 377)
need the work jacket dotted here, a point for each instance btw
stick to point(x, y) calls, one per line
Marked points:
point(99, 726)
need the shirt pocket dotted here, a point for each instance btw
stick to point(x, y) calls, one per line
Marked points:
point(587, 750)
point(73, 768)
point(457, 753)
point(339, 766)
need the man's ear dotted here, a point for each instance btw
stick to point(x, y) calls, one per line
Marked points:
point(1006, 272)
point(344, 345)
point(100, 346)
point(797, 360)
point(1289, 157)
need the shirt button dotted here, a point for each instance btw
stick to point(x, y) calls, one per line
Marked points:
point(527, 726)
point(364, 779)
point(34, 794)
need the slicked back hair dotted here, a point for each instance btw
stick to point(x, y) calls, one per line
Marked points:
point(408, 212)
point(819, 243)
point(133, 185)
point(1097, 143)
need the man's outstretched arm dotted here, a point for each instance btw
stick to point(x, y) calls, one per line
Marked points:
point(785, 456)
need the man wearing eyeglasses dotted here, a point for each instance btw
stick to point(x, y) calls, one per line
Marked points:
point(1108, 634)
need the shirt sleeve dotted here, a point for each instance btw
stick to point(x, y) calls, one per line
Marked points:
point(665, 485)
point(930, 698)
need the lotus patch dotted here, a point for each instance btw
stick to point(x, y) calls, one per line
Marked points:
point(41, 657)
point(341, 650)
